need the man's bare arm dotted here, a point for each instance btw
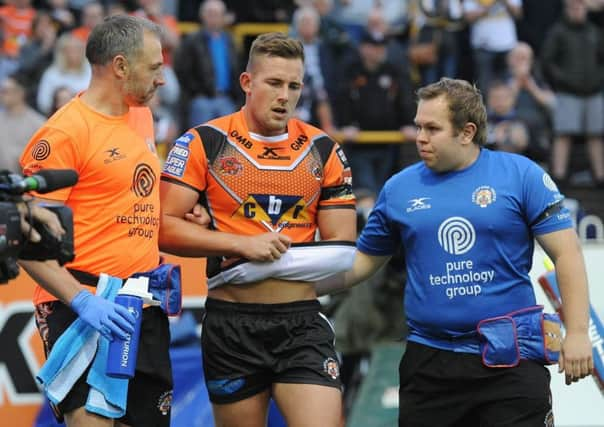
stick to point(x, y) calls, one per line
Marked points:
point(363, 267)
point(563, 247)
point(181, 236)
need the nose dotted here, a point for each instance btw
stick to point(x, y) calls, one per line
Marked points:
point(160, 80)
point(283, 94)
point(421, 136)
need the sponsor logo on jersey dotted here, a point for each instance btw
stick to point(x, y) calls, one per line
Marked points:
point(113, 154)
point(299, 142)
point(272, 153)
point(418, 204)
point(456, 235)
point(41, 150)
point(484, 196)
point(274, 209)
point(177, 158)
point(242, 140)
point(143, 180)
point(184, 139)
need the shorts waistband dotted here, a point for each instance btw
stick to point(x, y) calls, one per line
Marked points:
point(255, 308)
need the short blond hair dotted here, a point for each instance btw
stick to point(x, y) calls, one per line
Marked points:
point(277, 45)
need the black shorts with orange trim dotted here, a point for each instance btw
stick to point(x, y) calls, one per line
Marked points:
point(249, 347)
point(149, 392)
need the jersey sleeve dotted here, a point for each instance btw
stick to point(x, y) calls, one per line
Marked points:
point(544, 210)
point(51, 148)
point(379, 237)
point(187, 162)
point(337, 181)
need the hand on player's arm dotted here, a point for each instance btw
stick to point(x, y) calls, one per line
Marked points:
point(576, 357)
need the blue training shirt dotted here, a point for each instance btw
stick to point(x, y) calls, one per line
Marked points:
point(467, 237)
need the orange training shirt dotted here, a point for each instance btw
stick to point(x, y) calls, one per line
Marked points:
point(115, 203)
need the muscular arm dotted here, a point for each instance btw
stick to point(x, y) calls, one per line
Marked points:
point(185, 238)
point(564, 249)
point(337, 224)
point(364, 266)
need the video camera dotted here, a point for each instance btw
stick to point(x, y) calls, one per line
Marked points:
point(13, 243)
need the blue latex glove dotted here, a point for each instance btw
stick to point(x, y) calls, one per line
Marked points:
point(107, 317)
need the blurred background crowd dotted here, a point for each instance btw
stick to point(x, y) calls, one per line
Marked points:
point(539, 65)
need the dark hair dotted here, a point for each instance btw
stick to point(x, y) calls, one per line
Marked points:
point(275, 44)
point(118, 35)
point(465, 104)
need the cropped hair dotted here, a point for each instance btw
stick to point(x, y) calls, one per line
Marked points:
point(465, 104)
point(118, 35)
point(276, 45)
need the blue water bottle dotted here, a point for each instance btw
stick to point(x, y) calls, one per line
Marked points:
point(121, 362)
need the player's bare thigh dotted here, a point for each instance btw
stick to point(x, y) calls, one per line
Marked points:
point(250, 412)
point(309, 405)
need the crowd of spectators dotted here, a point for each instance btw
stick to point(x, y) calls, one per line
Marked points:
point(539, 68)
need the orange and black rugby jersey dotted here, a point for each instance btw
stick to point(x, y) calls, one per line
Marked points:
point(255, 184)
point(115, 203)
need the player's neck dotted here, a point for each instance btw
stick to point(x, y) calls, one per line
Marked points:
point(105, 100)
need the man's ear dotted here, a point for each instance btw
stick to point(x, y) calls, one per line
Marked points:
point(245, 81)
point(468, 132)
point(120, 66)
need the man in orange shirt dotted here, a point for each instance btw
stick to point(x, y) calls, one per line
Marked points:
point(106, 135)
point(271, 184)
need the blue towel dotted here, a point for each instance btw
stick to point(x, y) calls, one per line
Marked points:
point(78, 347)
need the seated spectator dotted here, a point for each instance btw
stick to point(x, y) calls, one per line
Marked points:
point(70, 68)
point(37, 54)
point(353, 14)
point(534, 99)
point(314, 104)
point(60, 97)
point(375, 94)
point(208, 67)
point(63, 16)
point(166, 128)
point(16, 19)
point(506, 131)
point(330, 31)
point(434, 41)
point(152, 10)
point(262, 10)
point(18, 122)
point(92, 14)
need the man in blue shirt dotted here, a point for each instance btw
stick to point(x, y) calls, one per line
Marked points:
point(466, 218)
